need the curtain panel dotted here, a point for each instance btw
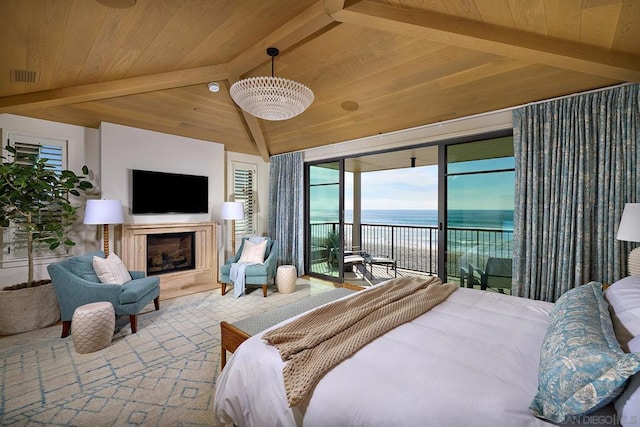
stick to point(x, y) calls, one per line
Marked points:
point(576, 162)
point(286, 204)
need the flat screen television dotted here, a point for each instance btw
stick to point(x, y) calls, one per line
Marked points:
point(162, 193)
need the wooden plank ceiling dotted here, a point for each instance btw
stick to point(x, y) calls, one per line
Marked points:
point(374, 65)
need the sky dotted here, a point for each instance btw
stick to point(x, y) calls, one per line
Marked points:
point(410, 188)
point(417, 188)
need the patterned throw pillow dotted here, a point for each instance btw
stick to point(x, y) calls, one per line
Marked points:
point(111, 270)
point(253, 252)
point(582, 367)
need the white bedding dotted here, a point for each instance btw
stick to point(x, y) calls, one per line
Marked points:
point(471, 360)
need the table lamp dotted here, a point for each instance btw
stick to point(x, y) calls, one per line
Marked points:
point(232, 211)
point(629, 231)
point(104, 212)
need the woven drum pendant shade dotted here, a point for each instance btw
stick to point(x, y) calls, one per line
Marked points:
point(271, 98)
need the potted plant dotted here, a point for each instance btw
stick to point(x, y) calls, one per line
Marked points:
point(332, 242)
point(34, 199)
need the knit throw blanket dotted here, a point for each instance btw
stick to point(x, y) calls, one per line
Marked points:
point(319, 340)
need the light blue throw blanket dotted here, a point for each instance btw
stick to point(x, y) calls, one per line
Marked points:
point(237, 274)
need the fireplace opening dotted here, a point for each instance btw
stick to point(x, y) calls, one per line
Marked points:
point(170, 252)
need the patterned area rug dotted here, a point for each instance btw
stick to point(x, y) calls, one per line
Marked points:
point(164, 375)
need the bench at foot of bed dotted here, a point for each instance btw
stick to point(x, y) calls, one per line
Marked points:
point(234, 334)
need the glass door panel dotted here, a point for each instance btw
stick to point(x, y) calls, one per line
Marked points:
point(480, 198)
point(324, 219)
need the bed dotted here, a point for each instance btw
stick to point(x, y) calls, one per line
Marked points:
point(471, 360)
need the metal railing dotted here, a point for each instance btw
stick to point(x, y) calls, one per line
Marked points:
point(415, 248)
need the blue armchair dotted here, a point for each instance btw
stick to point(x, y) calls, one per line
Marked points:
point(256, 275)
point(76, 283)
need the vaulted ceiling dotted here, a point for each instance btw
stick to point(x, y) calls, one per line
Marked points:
point(375, 66)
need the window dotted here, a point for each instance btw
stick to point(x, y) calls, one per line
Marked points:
point(244, 190)
point(14, 242)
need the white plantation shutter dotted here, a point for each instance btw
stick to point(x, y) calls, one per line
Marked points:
point(14, 246)
point(244, 190)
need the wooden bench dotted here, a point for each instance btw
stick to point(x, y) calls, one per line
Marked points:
point(234, 334)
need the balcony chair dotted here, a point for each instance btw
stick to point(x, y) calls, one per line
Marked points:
point(352, 257)
point(256, 274)
point(497, 275)
point(76, 283)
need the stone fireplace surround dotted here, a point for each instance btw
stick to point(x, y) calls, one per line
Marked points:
point(174, 284)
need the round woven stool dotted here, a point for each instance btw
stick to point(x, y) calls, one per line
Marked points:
point(92, 326)
point(286, 279)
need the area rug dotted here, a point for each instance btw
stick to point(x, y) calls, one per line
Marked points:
point(164, 375)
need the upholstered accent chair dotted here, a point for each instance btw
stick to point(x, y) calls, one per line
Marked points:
point(257, 274)
point(76, 283)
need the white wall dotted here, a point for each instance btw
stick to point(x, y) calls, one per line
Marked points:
point(124, 148)
point(82, 150)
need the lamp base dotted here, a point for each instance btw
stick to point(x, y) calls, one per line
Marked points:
point(634, 262)
point(105, 238)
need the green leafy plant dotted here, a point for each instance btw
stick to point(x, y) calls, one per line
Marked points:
point(332, 242)
point(35, 199)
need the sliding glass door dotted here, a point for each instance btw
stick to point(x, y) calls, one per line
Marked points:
point(324, 234)
point(442, 209)
point(480, 198)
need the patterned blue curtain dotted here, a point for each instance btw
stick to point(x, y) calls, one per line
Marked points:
point(286, 204)
point(576, 161)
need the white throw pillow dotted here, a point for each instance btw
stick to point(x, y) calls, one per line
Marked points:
point(111, 270)
point(623, 297)
point(628, 404)
point(253, 252)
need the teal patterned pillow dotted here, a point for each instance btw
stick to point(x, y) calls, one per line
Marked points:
point(582, 367)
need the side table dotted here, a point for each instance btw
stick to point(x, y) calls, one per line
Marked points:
point(286, 276)
point(92, 326)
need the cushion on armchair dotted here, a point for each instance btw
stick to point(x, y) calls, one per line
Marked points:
point(253, 252)
point(111, 270)
point(134, 290)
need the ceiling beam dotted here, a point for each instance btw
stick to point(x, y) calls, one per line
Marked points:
point(310, 21)
point(257, 135)
point(493, 39)
point(332, 6)
point(252, 126)
point(111, 89)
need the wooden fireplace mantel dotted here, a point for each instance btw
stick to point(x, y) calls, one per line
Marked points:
point(174, 284)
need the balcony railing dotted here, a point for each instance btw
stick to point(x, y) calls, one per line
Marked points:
point(415, 248)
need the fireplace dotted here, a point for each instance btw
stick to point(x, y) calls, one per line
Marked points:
point(170, 252)
point(175, 283)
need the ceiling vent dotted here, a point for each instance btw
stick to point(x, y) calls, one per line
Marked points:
point(24, 76)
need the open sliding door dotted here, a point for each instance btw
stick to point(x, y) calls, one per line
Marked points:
point(324, 219)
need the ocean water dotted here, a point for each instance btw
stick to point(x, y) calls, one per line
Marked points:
point(473, 234)
point(483, 219)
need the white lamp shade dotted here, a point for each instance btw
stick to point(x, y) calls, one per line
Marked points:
point(232, 210)
point(629, 228)
point(103, 212)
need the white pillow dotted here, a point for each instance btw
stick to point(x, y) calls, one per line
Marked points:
point(628, 404)
point(624, 302)
point(253, 252)
point(111, 270)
